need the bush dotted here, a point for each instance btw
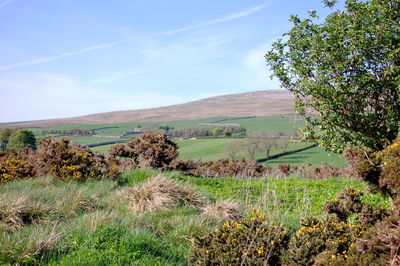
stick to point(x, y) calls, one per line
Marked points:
point(321, 242)
point(379, 245)
point(347, 203)
point(380, 169)
point(149, 150)
point(15, 165)
point(390, 165)
point(251, 241)
point(65, 161)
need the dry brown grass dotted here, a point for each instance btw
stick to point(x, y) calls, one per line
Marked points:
point(78, 202)
point(20, 211)
point(225, 210)
point(159, 193)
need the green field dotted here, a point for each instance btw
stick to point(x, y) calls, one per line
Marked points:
point(316, 156)
point(210, 148)
point(89, 223)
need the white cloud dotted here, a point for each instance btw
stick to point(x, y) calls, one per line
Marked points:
point(108, 78)
point(6, 2)
point(56, 57)
point(54, 95)
point(227, 18)
point(254, 61)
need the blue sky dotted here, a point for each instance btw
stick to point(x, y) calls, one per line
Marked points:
point(71, 57)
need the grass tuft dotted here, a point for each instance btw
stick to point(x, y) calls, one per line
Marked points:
point(225, 210)
point(160, 193)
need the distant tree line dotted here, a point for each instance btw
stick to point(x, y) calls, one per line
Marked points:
point(72, 131)
point(193, 132)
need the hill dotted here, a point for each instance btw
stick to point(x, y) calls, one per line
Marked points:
point(259, 103)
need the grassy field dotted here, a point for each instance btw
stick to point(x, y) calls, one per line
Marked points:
point(90, 223)
point(211, 148)
point(317, 156)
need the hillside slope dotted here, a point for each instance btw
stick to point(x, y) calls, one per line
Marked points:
point(259, 103)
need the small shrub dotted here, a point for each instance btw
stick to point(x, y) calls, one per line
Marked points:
point(321, 242)
point(251, 241)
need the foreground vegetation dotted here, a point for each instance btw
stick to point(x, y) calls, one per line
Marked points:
point(47, 221)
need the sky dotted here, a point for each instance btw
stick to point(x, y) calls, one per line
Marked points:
point(69, 58)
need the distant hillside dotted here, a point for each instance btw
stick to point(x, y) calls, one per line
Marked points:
point(259, 103)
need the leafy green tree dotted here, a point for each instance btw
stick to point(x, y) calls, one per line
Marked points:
point(217, 131)
point(5, 135)
point(344, 73)
point(22, 138)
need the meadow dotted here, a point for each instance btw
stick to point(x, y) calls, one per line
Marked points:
point(47, 221)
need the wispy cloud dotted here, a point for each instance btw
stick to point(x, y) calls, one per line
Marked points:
point(56, 57)
point(259, 75)
point(117, 76)
point(230, 17)
point(6, 2)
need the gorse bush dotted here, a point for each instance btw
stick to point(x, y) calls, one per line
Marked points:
point(15, 165)
point(65, 160)
point(152, 150)
point(345, 204)
point(379, 169)
point(252, 241)
point(321, 242)
point(59, 158)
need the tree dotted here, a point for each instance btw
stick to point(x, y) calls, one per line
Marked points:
point(233, 148)
point(5, 135)
point(266, 142)
point(282, 143)
point(344, 73)
point(251, 146)
point(22, 138)
point(217, 131)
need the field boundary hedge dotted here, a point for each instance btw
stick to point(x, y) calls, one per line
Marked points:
point(286, 153)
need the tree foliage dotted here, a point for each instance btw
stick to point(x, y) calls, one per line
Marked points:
point(5, 135)
point(22, 138)
point(344, 73)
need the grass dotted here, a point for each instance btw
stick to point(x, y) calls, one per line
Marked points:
point(90, 223)
point(317, 156)
point(211, 149)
